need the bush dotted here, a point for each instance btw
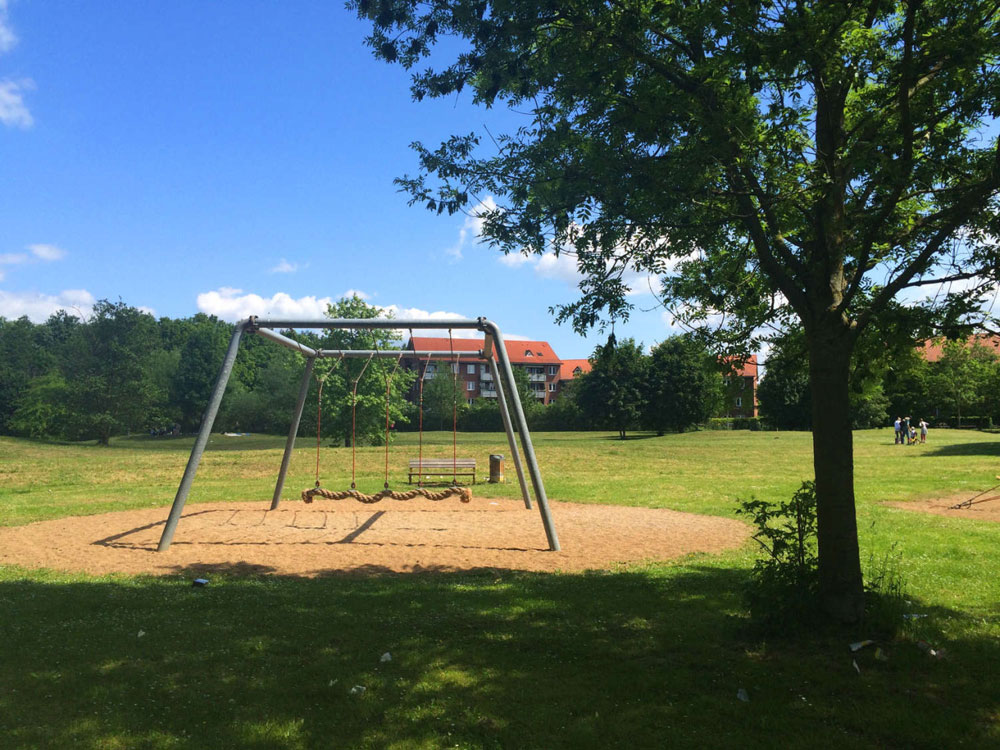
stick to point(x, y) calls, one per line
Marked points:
point(754, 424)
point(785, 582)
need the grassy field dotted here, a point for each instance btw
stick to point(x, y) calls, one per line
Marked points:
point(641, 657)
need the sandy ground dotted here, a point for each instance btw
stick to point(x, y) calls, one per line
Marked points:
point(984, 508)
point(331, 537)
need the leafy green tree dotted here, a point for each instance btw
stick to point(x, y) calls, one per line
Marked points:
point(198, 366)
point(784, 394)
point(683, 385)
point(109, 391)
point(41, 410)
point(371, 377)
point(443, 399)
point(22, 357)
point(805, 159)
point(612, 394)
point(960, 378)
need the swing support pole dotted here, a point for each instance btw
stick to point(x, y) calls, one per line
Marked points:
point(292, 432)
point(207, 420)
point(507, 427)
point(507, 372)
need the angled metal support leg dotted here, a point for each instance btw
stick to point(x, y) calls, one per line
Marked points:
point(199, 444)
point(509, 429)
point(490, 327)
point(292, 432)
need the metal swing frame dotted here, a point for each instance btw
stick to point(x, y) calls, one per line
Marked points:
point(493, 352)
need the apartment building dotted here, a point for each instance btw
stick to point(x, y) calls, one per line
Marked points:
point(537, 358)
point(740, 389)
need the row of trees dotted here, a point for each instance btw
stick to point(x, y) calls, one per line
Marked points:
point(963, 383)
point(123, 371)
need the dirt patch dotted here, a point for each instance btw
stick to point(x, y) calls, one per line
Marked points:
point(339, 537)
point(985, 508)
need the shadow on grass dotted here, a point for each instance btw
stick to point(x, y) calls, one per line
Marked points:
point(966, 449)
point(484, 660)
point(632, 436)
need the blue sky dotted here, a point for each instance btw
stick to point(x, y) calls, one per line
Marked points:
point(237, 158)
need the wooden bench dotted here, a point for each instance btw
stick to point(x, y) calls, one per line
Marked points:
point(442, 468)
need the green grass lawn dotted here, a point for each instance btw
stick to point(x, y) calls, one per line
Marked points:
point(648, 656)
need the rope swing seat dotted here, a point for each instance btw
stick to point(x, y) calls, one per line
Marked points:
point(493, 353)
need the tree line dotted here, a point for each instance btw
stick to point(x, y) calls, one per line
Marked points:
point(122, 371)
point(959, 388)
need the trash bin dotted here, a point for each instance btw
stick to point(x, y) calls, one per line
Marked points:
point(496, 469)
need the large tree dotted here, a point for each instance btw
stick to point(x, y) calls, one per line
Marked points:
point(774, 158)
point(683, 385)
point(613, 394)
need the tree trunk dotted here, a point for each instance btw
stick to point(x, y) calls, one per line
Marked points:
point(840, 580)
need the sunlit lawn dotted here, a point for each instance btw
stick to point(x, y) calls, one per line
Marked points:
point(640, 657)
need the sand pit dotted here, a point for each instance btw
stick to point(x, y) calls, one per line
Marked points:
point(340, 537)
point(985, 508)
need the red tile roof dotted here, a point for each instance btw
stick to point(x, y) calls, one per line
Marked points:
point(933, 349)
point(569, 365)
point(747, 369)
point(518, 351)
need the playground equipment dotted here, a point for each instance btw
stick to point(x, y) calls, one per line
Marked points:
point(493, 352)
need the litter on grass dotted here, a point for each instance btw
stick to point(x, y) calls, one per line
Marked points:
point(385, 657)
point(358, 690)
point(742, 695)
point(857, 646)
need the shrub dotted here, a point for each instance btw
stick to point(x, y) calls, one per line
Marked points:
point(784, 583)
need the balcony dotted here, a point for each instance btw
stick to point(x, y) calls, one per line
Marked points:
point(533, 378)
point(486, 376)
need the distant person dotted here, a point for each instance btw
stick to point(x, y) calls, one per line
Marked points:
point(913, 436)
point(899, 426)
point(923, 431)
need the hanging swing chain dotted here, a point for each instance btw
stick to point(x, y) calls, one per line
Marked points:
point(388, 386)
point(354, 420)
point(420, 420)
point(454, 411)
point(321, 379)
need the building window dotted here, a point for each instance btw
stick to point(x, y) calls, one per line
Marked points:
point(454, 368)
point(527, 353)
point(470, 385)
point(470, 369)
point(552, 387)
point(470, 400)
point(484, 369)
point(725, 381)
point(553, 369)
point(739, 401)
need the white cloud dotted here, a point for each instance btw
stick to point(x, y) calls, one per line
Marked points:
point(561, 267)
point(285, 267)
point(47, 252)
point(7, 37)
point(13, 112)
point(471, 228)
point(514, 260)
point(356, 293)
point(11, 259)
point(234, 304)
point(38, 307)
